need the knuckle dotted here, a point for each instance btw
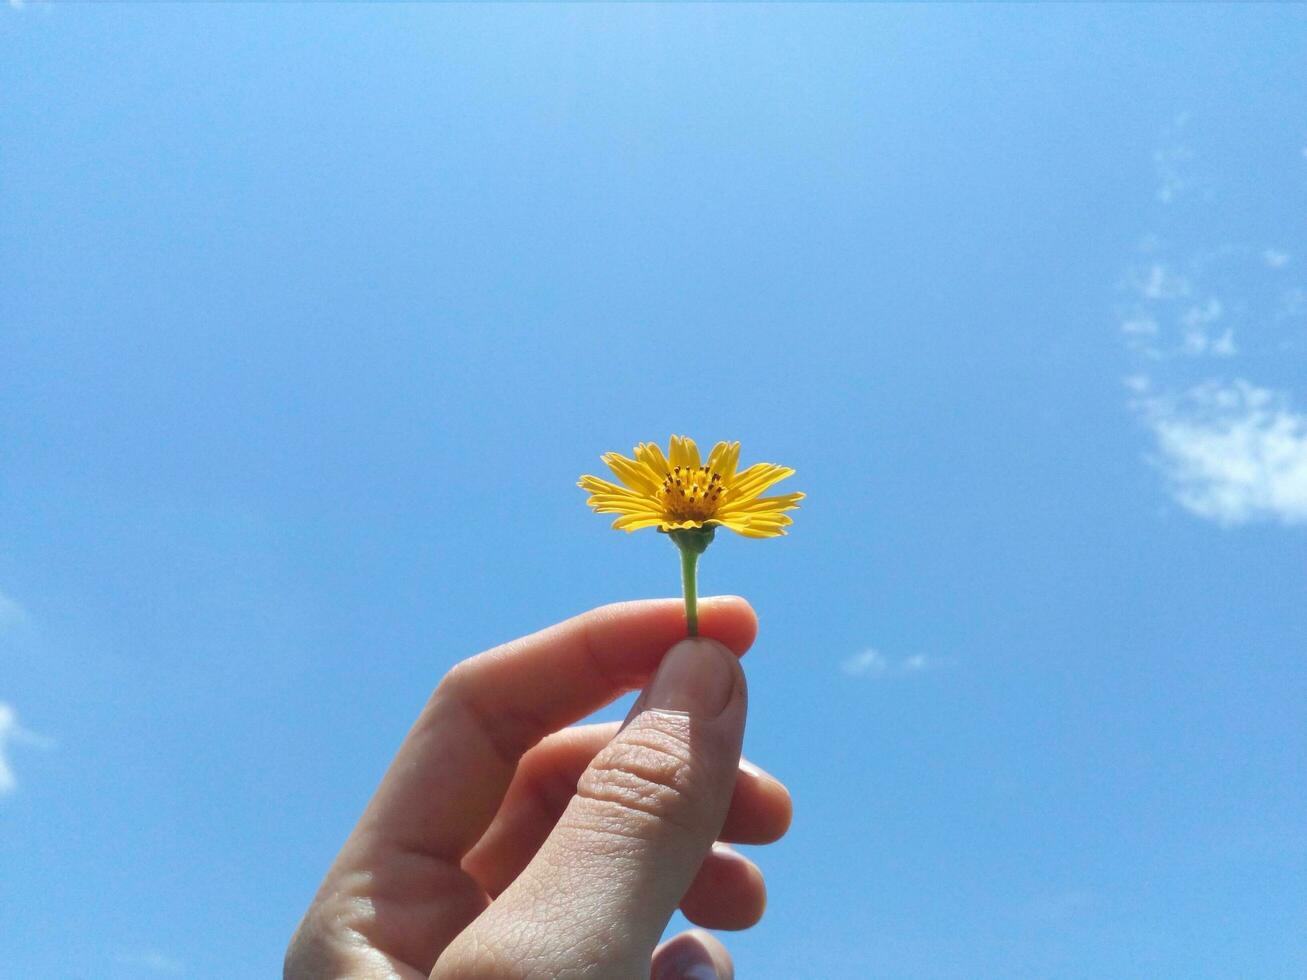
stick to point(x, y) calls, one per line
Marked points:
point(648, 775)
point(510, 729)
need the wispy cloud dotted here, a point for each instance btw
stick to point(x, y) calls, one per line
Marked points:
point(153, 960)
point(12, 733)
point(1275, 258)
point(873, 663)
point(11, 613)
point(1232, 452)
point(1210, 324)
point(1173, 161)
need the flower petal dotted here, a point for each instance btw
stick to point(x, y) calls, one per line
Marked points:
point(684, 453)
point(634, 522)
point(691, 452)
point(757, 532)
point(651, 454)
point(634, 475)
point(734, 522)
point(611, 504)
point(756, 479)
point(675, 525)
point(762, 505)
point(730, 460)
point(674, 452)
point(714, 461)
point(596, 485)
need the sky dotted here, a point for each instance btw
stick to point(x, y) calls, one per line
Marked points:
point(311, 316)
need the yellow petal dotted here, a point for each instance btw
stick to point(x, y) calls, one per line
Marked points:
point(753, 532)
point(596, 485)
point(634, 522)
point(730, 460)
point(734, 522)
point(714, 461)
point(691, 452)
point(764, 523)
point(760, 505)
point(765, 526)
point(608, 504)
point(684, 453)
point(675, 525)
point(674, 452)
point(634, 475)
point(756, 479)
point(652, 456)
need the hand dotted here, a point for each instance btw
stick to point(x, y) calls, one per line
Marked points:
point(501, 844)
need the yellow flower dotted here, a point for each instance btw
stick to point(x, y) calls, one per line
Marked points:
point(679, 492)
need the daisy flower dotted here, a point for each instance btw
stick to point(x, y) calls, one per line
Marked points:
point(689, 498)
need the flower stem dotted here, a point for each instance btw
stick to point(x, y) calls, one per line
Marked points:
point(689, 569)
point(692, 543)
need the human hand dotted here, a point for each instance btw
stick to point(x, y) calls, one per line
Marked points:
point(502, 844)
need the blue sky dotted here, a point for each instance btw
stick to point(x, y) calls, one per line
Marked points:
point(312, 315)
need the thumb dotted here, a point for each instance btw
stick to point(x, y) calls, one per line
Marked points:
point(600, 891)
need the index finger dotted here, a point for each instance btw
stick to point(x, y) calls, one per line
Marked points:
point(454, 767)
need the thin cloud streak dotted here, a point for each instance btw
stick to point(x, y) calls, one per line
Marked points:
point(11, 613)
point(154, 961)
point(12, 733)
point(872, 663)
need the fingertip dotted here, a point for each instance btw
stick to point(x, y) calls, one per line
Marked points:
point(729, 892)
point(693, 955)
point(762, 808)
point(730, 620)
point(784, 807)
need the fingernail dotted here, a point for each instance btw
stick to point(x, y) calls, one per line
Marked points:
point(679, 969)
point(696, 677)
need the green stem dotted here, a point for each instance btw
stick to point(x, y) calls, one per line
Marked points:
point(692, 543)
point(689, 568)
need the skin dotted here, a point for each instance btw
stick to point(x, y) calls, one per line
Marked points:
point(503, 843)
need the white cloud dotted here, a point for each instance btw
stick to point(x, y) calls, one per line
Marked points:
point(1167, 319)
point(867, 662)
point(1161, 282)
point(1233, 452)
point(8, 723)
point(1223, 346)
point(12, 733)
point(153, 960)
point(873, 663)
point(1198, 338)
point(11, 613)
point(1209, 321)
point(1138, 383)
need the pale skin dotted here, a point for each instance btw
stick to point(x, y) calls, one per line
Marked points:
point(503, 843)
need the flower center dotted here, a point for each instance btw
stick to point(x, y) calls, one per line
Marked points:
point(691, 494)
